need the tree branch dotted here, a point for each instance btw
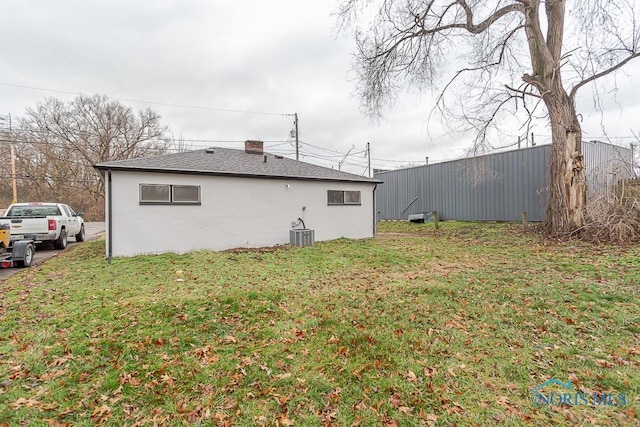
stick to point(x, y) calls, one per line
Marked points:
point(603, 73)
point(481, 27)
point(555, 33)
point(523, 92)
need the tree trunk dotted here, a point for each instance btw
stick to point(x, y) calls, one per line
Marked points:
point(567, 181)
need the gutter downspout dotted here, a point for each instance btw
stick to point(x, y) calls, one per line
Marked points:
point(109, 220)
point(375, 222)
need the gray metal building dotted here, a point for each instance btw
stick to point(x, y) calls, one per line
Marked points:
point(495, 187)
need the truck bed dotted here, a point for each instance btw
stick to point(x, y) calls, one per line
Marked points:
point(36, 228)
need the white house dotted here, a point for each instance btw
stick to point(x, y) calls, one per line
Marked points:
point(219, 198)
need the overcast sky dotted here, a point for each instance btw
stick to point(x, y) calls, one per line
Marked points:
point(277, 57)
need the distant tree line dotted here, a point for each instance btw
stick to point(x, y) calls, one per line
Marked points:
point(56, 143)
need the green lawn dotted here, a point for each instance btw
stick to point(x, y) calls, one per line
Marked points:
point(414, 327)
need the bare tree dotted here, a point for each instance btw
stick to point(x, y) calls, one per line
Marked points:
point(515, 53)
point(58, 142)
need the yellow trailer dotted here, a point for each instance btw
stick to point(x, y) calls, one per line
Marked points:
point(18, 254)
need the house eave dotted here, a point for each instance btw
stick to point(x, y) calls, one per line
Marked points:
point(102, 168)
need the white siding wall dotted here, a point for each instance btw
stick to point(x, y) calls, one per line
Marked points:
point(235, 212)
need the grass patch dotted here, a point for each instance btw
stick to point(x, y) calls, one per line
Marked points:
point(414, 327)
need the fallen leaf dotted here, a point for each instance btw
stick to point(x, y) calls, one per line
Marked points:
point(503, 400)
point(394, 400)
point(101, 414)
point(360, 406)
point(266, 369)
point(285, 421)
point(604, 363)
point(29, 403)
point(429, 372)
point(430, 417)
point(389, 422)
point(47, 376)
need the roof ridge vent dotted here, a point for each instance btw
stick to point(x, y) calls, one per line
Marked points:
point(209, 150)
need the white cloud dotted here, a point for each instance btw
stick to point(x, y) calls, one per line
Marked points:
point(280, 57)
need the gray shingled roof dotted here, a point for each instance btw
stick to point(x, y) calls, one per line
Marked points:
point(225, 161)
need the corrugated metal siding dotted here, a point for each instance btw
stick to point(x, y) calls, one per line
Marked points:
point(494, 187)
point(605, 165)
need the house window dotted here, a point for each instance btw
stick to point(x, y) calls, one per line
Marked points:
point(165, 194)
point(186, 193)
point(339, 197)
point(153, 193)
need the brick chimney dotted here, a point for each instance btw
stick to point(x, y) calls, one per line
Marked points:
point(253, 147)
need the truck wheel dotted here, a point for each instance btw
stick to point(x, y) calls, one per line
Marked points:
point(80, 235)
point(61, 242)
point(29, 253)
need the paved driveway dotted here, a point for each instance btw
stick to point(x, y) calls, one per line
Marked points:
point(93, 230)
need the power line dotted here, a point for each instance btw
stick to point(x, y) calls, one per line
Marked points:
point(338, 156)
point(327, 160)
point(155, 144)
point(306, 148)
point(165, 104)
point(337, 153)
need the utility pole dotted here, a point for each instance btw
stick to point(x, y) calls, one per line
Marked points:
point(13, 175)
point(13, 165)
point(369, 158)
point(295, 122)
point(295, 130)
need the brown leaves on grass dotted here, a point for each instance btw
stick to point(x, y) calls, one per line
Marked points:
point(193, 415)
point(389, 422)
point(101, 414)
point(430, 372)
point(61, 360)
point(604, 363)
point(502, 400)
point(18, 371)
point(130, 378)
point(204, 354)
point(437, 314)
point(333, 340)
point(24, 402)
point(50, 375)
point(168, 380)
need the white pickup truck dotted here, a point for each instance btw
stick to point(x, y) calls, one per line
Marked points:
point(44, 222)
